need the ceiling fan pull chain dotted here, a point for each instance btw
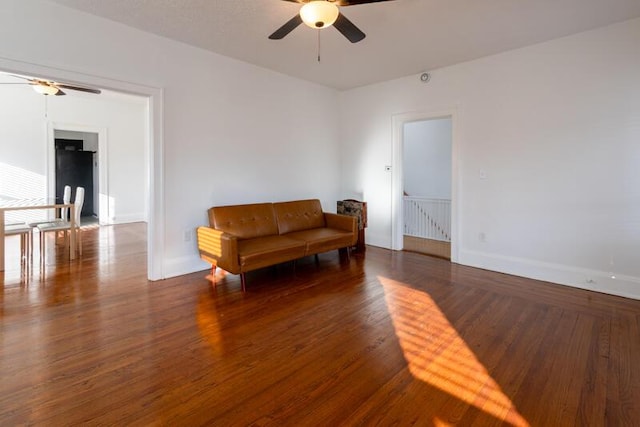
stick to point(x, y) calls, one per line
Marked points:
point(318, 46)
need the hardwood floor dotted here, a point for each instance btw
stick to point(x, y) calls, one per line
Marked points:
point(431, 247)
point(387, 338)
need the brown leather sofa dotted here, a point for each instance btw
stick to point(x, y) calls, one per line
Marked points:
point(243, 238)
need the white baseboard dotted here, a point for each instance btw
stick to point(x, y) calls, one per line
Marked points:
point(184, 265)
point(124, 219)
point(593, 280)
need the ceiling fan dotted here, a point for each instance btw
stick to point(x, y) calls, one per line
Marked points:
point(321, 14)
point(48, 87)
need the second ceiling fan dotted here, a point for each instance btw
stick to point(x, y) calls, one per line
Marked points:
point(321, 14)
point(48, 87)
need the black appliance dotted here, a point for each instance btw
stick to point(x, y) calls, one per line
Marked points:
point(74, 167)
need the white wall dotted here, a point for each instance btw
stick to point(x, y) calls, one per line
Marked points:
point(555, 128)
point(231, 132)
point(22, 160)
point(25, 130)
point(427, 158)
point(123, 121)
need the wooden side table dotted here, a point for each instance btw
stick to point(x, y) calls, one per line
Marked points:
point(359, 210)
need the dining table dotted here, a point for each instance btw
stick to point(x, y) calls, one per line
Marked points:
point(34, 204)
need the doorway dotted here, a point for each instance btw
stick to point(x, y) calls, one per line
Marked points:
point(424, 183)
point(154, 148)
point(77, 156)
point(76, 165)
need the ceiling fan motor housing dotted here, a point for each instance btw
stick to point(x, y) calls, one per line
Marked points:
point(319, 13)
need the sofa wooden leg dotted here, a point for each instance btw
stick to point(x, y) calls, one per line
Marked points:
point(243, 282)
point(344, 253)
point(317, 259)
point(214, 282)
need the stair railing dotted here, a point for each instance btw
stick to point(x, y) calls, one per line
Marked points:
point(427, 218)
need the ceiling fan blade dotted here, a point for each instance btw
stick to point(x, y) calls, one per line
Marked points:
point(59, 92)
point(348, 29)
point(19, 77)
point(286, 28)
point(27, 81)
point(78, 88)
point(356, 2)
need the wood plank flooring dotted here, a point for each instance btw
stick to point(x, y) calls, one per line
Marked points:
point(387, 338)
point(427, 246)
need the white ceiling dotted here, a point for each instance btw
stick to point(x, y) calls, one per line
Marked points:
point(404, 37)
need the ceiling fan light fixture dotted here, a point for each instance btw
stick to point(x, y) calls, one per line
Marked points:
point(319, 13)
point(45, 89)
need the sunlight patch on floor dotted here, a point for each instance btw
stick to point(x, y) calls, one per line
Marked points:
point(437, 355)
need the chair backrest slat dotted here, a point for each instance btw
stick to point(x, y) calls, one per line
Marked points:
point(79, 201)
point(66, 199)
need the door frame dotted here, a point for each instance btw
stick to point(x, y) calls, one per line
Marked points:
point(105, 216)
point(154, 140)
point(398, 122)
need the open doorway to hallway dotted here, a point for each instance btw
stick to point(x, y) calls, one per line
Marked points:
point(77, 165)
point(426, 206)
point(436, 174)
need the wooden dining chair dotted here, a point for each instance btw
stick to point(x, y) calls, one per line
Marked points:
point(64, 212)
point(64, 226)
point(26, 241)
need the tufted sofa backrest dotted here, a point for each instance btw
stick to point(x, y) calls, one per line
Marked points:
point(245, 221)
point(299, 215)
